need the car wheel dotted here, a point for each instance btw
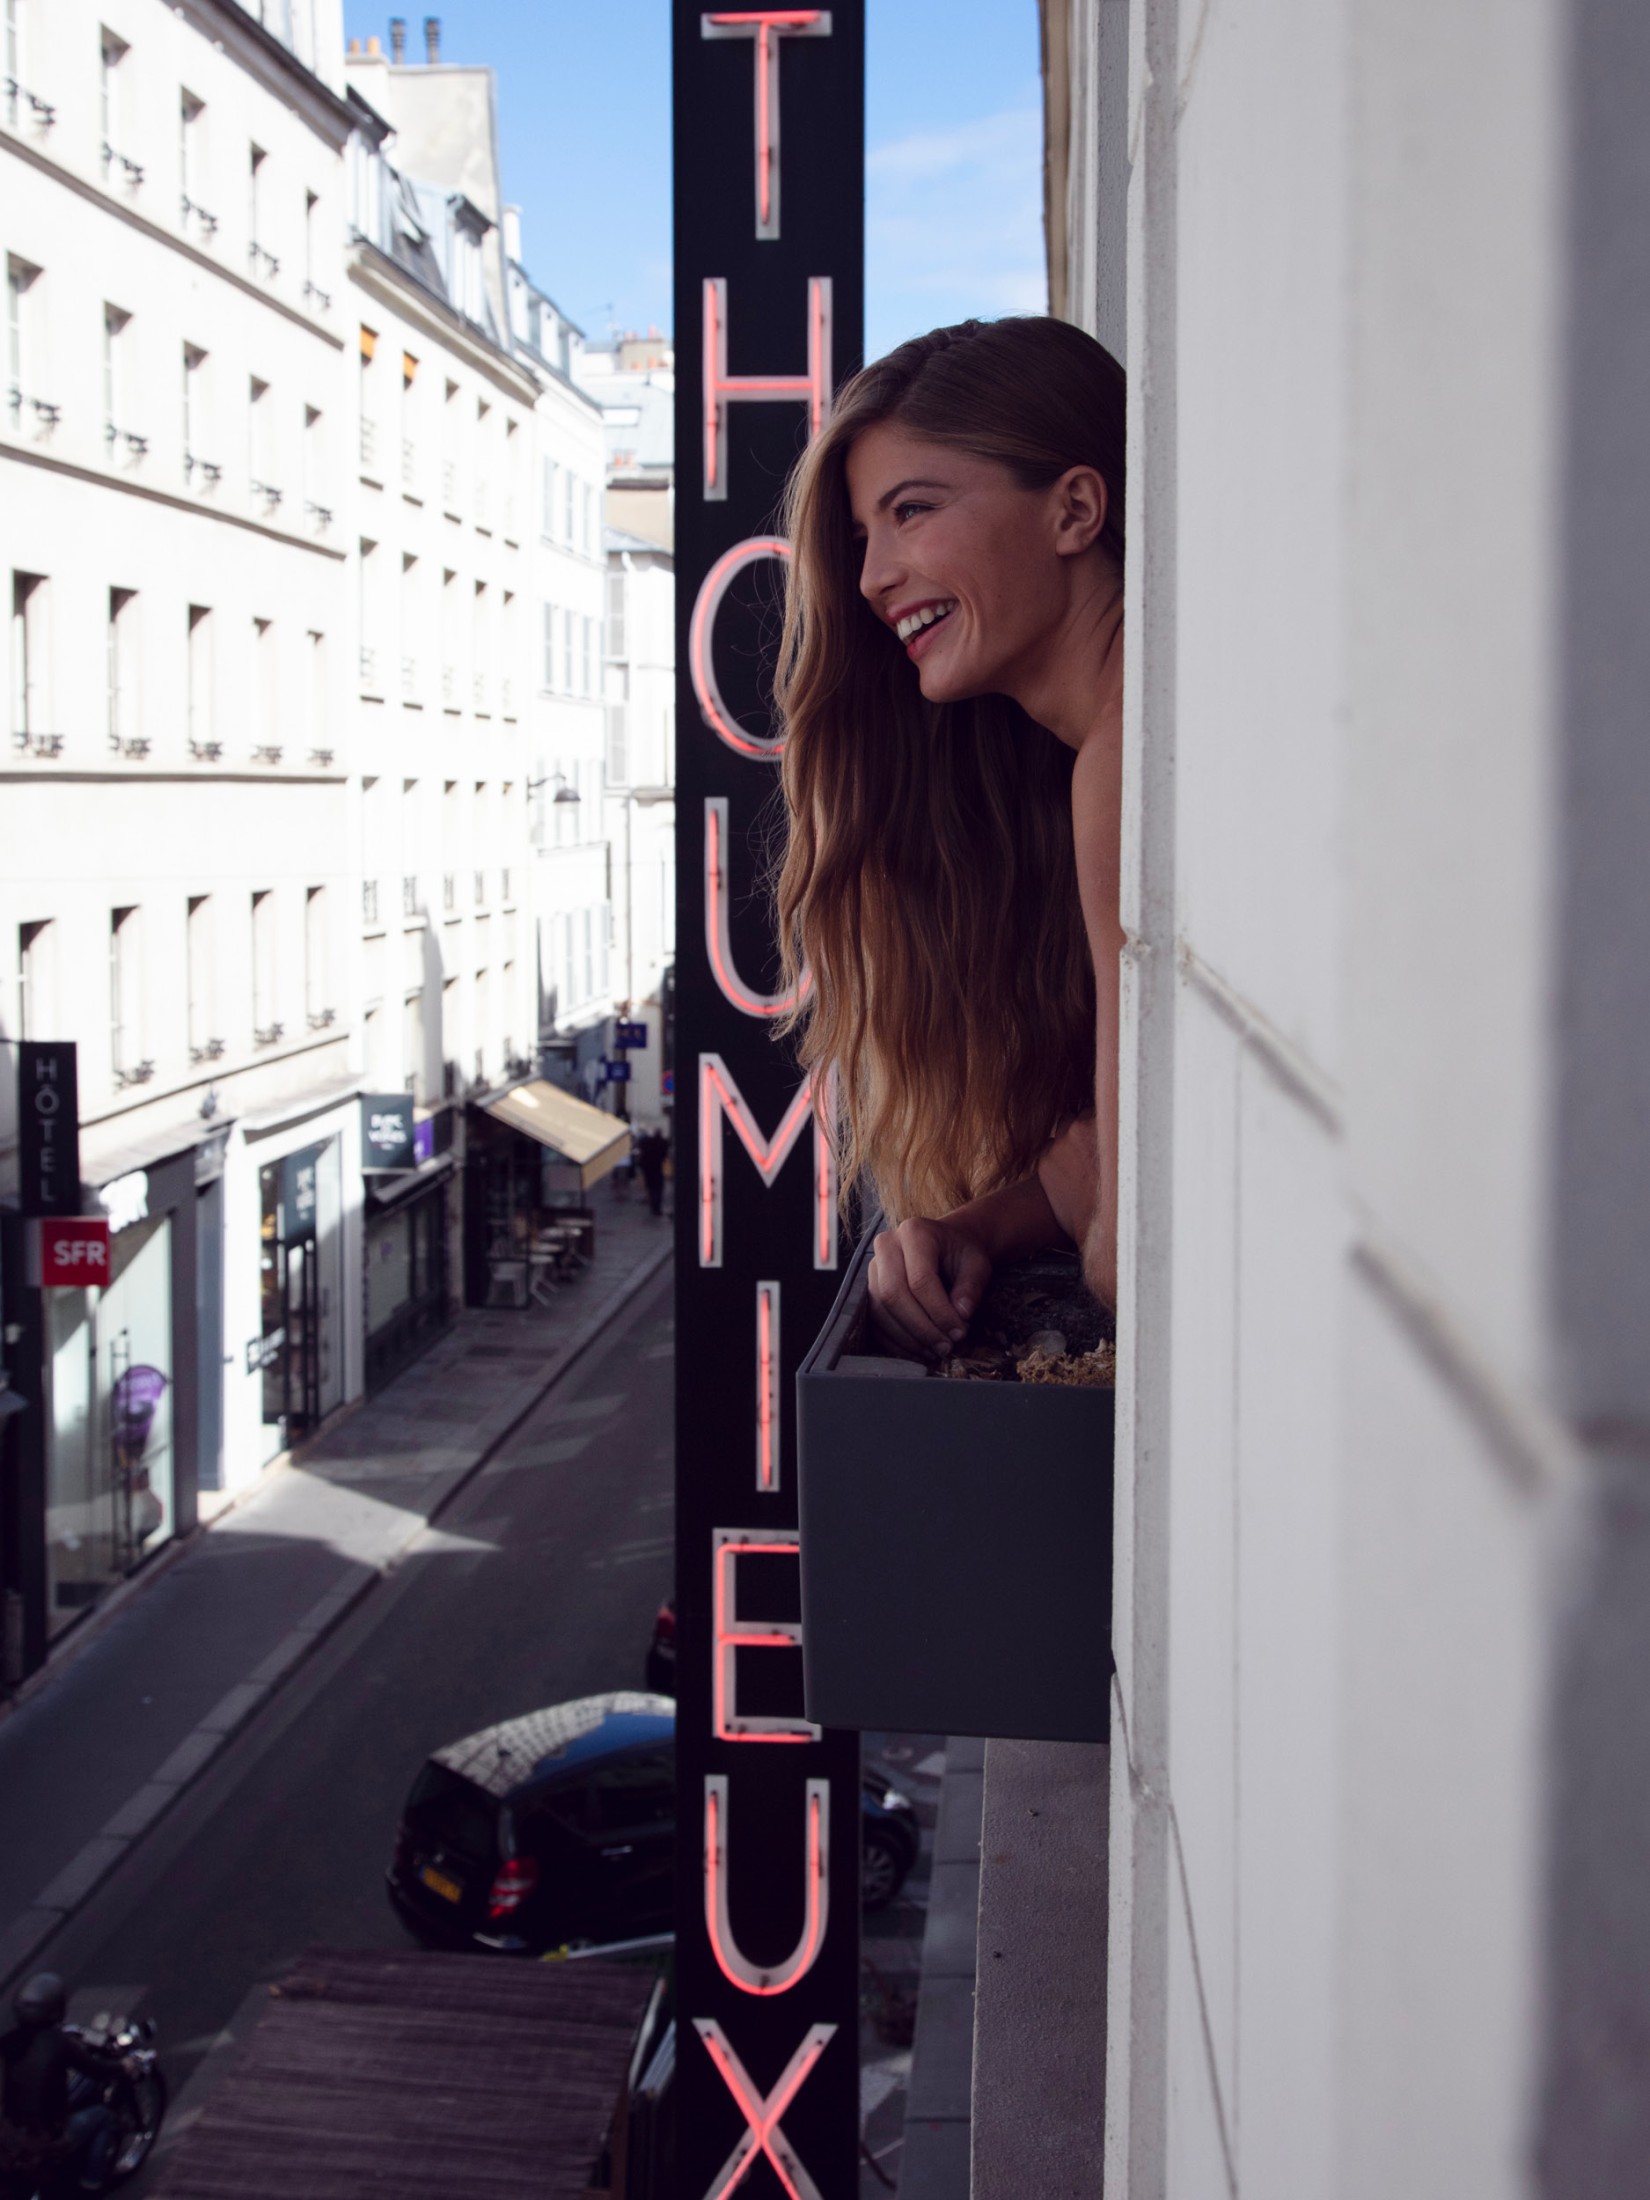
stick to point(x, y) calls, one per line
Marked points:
point(881, 1873)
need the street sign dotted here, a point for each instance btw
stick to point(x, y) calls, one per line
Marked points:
point(48, 1127)
point(769, 273)
point(630, 1035)
point(618, 1073)
point(74, 1250)
point(387, 1138)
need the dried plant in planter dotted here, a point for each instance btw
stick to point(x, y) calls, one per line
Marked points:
point(1039, 1323)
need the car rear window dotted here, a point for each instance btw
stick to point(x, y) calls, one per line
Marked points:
point(443, 1806)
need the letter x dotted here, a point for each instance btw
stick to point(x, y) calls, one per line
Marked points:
point(762, 2134)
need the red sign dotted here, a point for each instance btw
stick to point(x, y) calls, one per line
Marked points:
point(74, 1249)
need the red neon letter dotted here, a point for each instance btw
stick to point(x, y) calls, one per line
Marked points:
point(762, 2133)
point(767, 26)
point(721, 388)
point(720, 1099)
point(731, 1634)
point(718, 945)
point(736, 1967)
point(702, 653)
point(767, 1386)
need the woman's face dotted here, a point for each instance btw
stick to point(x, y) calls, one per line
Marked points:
point(971, 573)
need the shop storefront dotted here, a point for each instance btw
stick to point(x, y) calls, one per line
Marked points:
point(408, 1176)
point(120, 1380)
point(533, 1153)
point(298, 1352)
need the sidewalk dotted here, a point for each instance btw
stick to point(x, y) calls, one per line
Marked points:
point(133, 1712)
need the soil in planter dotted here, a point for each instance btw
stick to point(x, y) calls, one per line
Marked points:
point(1039, 1323)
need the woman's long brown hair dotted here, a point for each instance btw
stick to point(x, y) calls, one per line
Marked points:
point(928, 885)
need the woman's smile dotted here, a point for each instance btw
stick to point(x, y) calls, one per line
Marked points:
point(915, 626)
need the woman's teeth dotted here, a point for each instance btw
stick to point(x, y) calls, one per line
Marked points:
point(925, 615)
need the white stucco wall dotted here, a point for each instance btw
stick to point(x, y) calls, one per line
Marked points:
point(1355, 1485)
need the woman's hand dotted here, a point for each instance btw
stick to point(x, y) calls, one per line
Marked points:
point(927, 1278)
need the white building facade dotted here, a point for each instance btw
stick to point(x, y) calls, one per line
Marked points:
point(178, 870)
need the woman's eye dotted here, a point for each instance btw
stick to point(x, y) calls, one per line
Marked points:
point(901, 510)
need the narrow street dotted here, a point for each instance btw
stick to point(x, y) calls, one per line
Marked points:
point(539, 1583)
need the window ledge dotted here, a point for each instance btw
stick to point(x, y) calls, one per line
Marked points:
point(1039, 2096)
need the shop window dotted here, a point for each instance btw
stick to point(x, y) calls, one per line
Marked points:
point(109, 1489)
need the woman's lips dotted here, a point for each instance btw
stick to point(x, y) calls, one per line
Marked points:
point(919, 643)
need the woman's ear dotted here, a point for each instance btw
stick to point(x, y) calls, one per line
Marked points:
point(1080, 504)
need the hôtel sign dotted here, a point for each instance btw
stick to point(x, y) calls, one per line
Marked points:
point(769, 195)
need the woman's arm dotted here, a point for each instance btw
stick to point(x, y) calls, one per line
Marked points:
point(928, 1277)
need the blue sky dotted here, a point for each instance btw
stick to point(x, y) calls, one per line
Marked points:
point(954, 186)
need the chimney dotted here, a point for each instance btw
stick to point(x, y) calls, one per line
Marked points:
point(355, 45)
point(398, 38)
point(432, 39)
point(373, 46)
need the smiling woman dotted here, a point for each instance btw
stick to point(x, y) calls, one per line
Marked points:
point(950, 684)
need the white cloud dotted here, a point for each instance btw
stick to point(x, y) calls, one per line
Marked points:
point(954, 225)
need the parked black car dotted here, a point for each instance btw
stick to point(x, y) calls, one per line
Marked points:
point(560, 1827)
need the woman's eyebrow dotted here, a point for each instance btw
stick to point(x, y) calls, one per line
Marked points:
point(900, 488)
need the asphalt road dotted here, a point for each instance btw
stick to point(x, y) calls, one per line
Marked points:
point(540, 1582)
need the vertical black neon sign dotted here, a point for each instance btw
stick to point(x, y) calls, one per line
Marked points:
point(769, 315)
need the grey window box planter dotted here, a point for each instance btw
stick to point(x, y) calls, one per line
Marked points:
point(956, 1544)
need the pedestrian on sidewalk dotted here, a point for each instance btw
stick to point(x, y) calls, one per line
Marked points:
point(651, 1149)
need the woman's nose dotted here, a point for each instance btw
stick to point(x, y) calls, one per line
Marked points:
point(879, 571)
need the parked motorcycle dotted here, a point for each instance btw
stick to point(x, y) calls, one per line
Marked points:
point(130, 2084)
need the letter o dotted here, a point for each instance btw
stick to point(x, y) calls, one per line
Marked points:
point(701, 637)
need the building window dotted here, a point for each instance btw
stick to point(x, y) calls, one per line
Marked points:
point(29, 598)
point(115, 325)
point(589, 658)
point(261, 443)
point(266, 697)
point(567, 652)
point(201, 714)
point(201, 978)
point(191, 165)
point(312, 289)
point(112, 51)
point(409, 442)
point(125, 1009)
point(589, 928)
point(367, 616)
point(618, 757)
point(314, 469)
point(200, 471)
point(548, 528)
point(26, 403)
point(412, 1044)
point(615, 612)
point(409, 627)
point(507, 685)
point(319, 717)
point(452, 432)
point(568, 491)
point(121, 658)
point(263, 260)
point(318, 1006)
point(550, 646)
point(36, 993)
point(368, 405)
point(481, 614)
point(266, 1028)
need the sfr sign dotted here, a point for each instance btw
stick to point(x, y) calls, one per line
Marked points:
point(74, 1251)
